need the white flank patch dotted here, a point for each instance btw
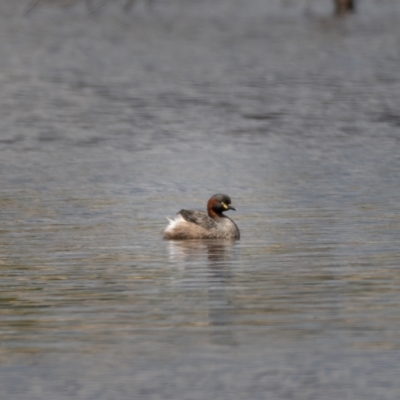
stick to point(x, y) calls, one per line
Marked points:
point(173, 222)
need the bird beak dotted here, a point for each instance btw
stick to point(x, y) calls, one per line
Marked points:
point(231, 208)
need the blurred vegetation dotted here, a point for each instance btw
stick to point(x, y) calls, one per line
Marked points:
point(341, 7)
point(344, 6)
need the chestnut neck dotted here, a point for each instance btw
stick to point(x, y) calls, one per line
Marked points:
point(210, 209)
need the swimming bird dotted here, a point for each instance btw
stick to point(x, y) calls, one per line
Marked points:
point(193, 224)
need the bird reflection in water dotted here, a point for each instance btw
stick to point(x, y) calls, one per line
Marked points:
point(212, 259)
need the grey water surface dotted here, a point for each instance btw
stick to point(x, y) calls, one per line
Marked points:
point(111, 122)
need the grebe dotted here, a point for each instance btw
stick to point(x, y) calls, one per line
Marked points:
point(190, 224)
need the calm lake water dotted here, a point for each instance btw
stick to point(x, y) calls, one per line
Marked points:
point(111, 122)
